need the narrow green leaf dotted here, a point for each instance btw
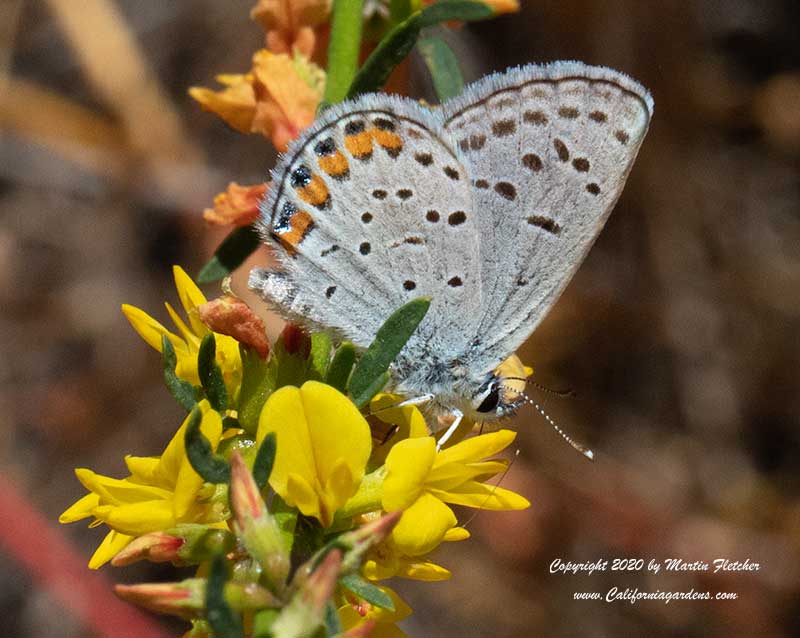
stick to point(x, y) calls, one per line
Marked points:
point(343, 49)
point(210, 374)
point(320, 354)
point(443, 66)
point(182, 391)
point(265, 459)
point(332, 623)
point(397, 44)
point(212, 468)
point(230, 254)
point(258, 382)
point(371, 390)
point(388, 343)
point(463, 10)
point(224, 622)
point(366, 590)
point(342, 364)
point(390, 52)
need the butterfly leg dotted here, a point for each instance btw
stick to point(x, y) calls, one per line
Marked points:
point(453, 427)
point(415, 401)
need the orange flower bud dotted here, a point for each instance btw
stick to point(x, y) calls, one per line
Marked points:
point(231, 316)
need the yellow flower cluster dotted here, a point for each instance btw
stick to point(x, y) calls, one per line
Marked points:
point(330, 466)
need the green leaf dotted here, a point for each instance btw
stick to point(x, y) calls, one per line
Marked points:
point(389, 341)
point(343, 49)
point(443, 67)
point(230, 254)
point(320, 354)
point(332, 623)
point(265, 459)
point(342, 364)
point(224, 622)
point(369, 592)
point(258, 382)
point(390, 52)
point(372, 389)
point(210, 374)
point(397, 44)
point(212, 468)
point(182, 391)
point(463, 10)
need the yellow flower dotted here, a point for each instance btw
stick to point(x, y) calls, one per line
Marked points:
point(187, 345)
point(393, 424)
point(420, 480)
point(387, 560)
point(160, 493)
point(323, 444)
point(354, 615)
point(278, 98)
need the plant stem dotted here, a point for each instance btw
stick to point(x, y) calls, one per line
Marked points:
point(344, 47)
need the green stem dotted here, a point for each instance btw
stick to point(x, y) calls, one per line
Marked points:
point(368, 497)
point(344, 47)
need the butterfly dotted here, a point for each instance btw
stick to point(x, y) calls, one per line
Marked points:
point(487, 205)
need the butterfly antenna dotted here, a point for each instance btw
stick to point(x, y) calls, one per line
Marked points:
point(479, 509)
point(558, 393)
point(575, 445)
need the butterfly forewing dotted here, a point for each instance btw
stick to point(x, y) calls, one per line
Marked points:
point(548, 149)
point(370, 209)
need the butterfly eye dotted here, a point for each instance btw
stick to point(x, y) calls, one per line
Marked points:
point(490, 401)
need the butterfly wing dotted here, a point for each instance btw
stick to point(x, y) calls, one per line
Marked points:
point(549, 149)
point(370, 209)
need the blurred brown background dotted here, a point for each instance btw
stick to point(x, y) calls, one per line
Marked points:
point(679, 334)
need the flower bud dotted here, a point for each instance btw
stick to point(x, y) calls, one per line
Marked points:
point(304, 614)
point(182, 545)
point(187, 598)
point(229, 315)
point(256, 527)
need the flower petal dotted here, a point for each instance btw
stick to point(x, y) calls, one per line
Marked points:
point(338, 431)
point(283, 414)
point(188, 481)
point(238, 205)
point(407, 467)
point(82, 508)
point(450, 475)
point(476, 448)
point(322, 438)
point(138, 518)
point(481, 496)
point(142, 468)
point(151, 330)
point(423, 526)
point(424, 570)
point(112, 544)
point(457, 534)
point(303, 496)
point(235, 104)
point(191, 297)
point(191, 339)
point(117, 491)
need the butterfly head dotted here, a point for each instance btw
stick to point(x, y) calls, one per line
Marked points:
point(502, 391)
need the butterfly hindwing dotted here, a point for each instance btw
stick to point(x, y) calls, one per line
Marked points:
point(549, 149)
point(371, 208)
